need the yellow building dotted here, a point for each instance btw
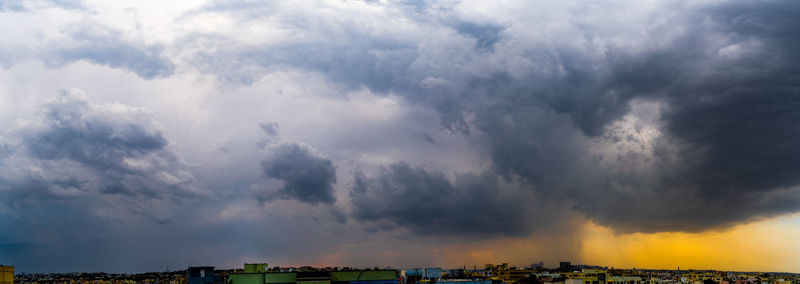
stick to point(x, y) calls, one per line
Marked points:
point(624, 280)
point(505, 273)
point(6, 274)
point(697, 277)
point(593, 276)
point(600, 276)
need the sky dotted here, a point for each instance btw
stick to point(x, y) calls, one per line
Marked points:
point(159, 134)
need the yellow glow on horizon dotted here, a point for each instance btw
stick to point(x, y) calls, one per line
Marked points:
point(768, 245)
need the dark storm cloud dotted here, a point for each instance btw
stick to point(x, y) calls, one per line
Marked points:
point(536, 144)
point(725, 77)
point(75, 177)
point(80, 148)
point(307, 176)
point(750, 133)
point(71, 131)
point(428, 203)
point(731, 119)
point(106, 46)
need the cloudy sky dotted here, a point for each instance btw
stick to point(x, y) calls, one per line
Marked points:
point(147, 136)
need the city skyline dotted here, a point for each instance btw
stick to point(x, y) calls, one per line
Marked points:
point(536, 266)
point(655, 134)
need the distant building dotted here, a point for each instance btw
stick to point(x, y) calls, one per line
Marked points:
point(200, 275)
point(255, 267)
point(259, 274)
point(624, 280)
point(422, 273)
point(538, 265)
point(565, 266)
point(6, 274)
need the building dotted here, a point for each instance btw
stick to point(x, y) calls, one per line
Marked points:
point(417, 274)
point(535, 266)
point(255, 267)
point(593, 276)
point(200, 275)
point(565, 266)
point(255, 273)
point(624, 280)
point(259, 274)
point(6, 274)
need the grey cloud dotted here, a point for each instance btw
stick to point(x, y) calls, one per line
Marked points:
point(68, 4)
point(380, 62)
point(14, 6)
point(728, 128)
point(80, 147)
point(732, 117)
point(724, 73)
point(271, 128)
point(73, 130)
point(429, 138)
point(447, 74)
point(428, 203)
point(107, 46)
point(79, 175)
point(688, 123)
point(485, 35)
point(308, 177)
point(351, 65)
point(536, 144)
point(246, 9)
point(25, 6)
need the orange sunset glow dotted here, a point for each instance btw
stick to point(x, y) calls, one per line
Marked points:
point(768, 245)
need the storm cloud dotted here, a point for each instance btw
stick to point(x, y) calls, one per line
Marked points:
point(729, 125)
point(724, 139)
point(437, 119)
point(79, 163)
point(81, 149)
point(429, 203)
point(307, 176)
